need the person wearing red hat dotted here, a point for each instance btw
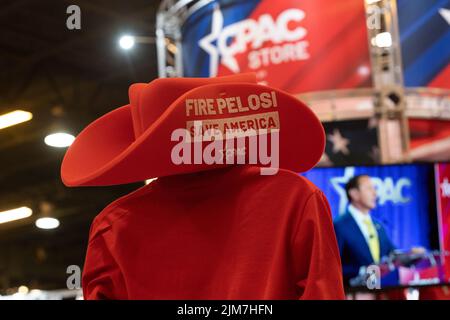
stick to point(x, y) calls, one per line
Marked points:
point(228, 217)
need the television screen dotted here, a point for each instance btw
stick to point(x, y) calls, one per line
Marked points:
point(401, 239)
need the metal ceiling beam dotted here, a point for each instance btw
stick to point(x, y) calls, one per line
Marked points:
point(54, 50)
point(16, 5)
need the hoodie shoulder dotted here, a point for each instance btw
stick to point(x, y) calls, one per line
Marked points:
point(114, 211)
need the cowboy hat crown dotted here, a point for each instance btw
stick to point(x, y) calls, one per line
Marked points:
point(133, 143)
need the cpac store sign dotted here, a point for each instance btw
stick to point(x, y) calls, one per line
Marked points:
point(298, 46)
point(283, 32)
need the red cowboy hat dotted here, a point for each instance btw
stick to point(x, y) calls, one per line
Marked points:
point(136, 142)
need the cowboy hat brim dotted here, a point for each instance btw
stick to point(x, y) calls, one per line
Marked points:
point(106, 152)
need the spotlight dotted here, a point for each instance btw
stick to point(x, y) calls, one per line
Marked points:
point(59, 140)
point(126, 42)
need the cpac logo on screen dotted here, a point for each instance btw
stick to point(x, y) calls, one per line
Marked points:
point(388, 189)
point(252, 34)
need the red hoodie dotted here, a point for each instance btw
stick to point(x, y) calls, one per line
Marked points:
point(222, 234)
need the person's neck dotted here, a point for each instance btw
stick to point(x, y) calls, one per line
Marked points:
point(361, 208)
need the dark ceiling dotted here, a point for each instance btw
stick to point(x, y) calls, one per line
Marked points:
point(66, 78)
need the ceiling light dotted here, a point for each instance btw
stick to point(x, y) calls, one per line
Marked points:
point(14, 117)
point(15, 214)
point(59, 139)
point(47, 223)
point(126, 42)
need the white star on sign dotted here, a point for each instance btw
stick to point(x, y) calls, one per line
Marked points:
point(206, 42)
point(445, 13)
point(339, 142)
point(339, 183)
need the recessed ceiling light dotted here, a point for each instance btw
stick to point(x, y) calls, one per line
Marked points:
point(47, 223)
point(59, 139)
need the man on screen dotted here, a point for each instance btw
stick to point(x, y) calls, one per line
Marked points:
point(362, 240)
